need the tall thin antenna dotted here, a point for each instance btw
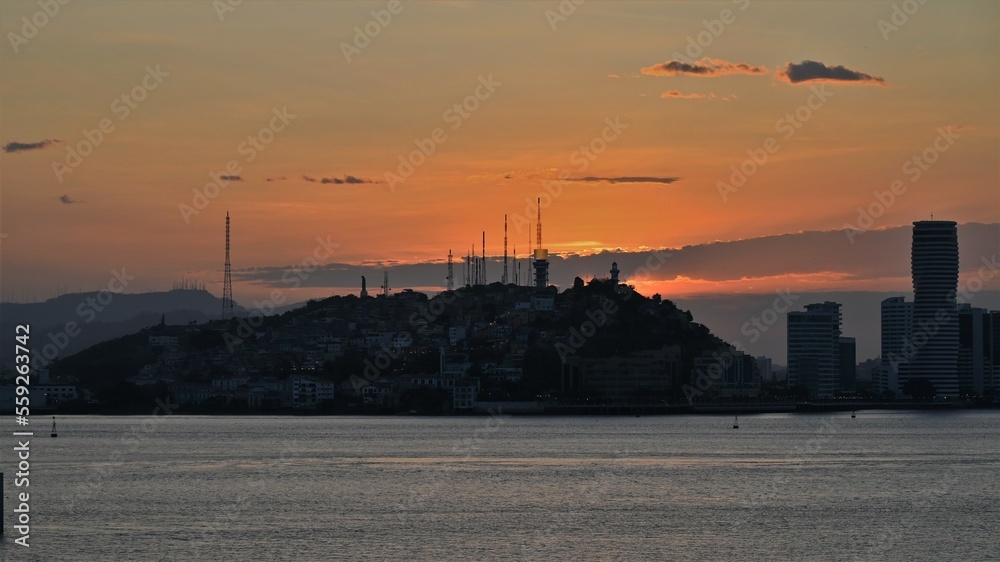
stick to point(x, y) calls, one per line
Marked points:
point(227, 281)
point(504, 278)
point(484, 259)
point(515, 264)
point(539, 225)
point(530, 252)
point(451, 273)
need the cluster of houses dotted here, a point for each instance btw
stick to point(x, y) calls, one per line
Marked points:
point(45, 395)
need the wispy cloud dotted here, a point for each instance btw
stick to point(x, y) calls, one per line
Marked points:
point(706, 67)
point(528, 174)
point(231, 178)
point(348, 179)
point(812, 71)
point(23, 146)
point(681, 95)
point(626, 179)
point(67, 200)
point(541, 174)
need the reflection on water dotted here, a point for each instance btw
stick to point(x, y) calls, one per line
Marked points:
point(887, 485)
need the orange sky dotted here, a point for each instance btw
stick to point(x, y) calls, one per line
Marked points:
point(556, 84)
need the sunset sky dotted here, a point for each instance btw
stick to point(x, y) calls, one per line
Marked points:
point(837, 102)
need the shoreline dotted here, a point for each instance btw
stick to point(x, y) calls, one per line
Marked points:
point(551, 410)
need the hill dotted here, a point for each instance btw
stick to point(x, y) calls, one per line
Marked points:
point(69, 323)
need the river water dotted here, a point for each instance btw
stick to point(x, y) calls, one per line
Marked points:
point(888, 485)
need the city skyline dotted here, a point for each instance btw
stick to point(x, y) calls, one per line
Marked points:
point(506, 279)
point(639, 144)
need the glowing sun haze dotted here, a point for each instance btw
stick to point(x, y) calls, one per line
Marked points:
point(642, 138)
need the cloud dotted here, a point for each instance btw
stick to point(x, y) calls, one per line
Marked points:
point(705, 67)
point(626, 179)
point(348, 179)
point(527, 174)
point(22, 146)
point(542, 174)
point(875, 255)
point(725, 284)
point(67, 200)
point(231, 178)
point(682, 95)
point(812, 71)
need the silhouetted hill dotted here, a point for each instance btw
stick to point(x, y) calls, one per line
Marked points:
point(346, 339)
point(102, 316)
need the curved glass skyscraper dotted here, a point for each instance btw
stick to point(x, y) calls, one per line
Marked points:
point(934, 262)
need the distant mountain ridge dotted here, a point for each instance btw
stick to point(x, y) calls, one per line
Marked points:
point(120, 307)
point(101, 316)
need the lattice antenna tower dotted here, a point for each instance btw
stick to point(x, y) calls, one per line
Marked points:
point(227, 281)
point(504, 278)
point(516, 266)
point(539, 224)
point(451, 272)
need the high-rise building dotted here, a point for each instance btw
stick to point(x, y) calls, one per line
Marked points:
point(897, 327)
point(814, 348)
point(994, 385)
point(729, 372)
point(934, 262)
point(975, 350)
point(764, 368)
point(848, 354)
